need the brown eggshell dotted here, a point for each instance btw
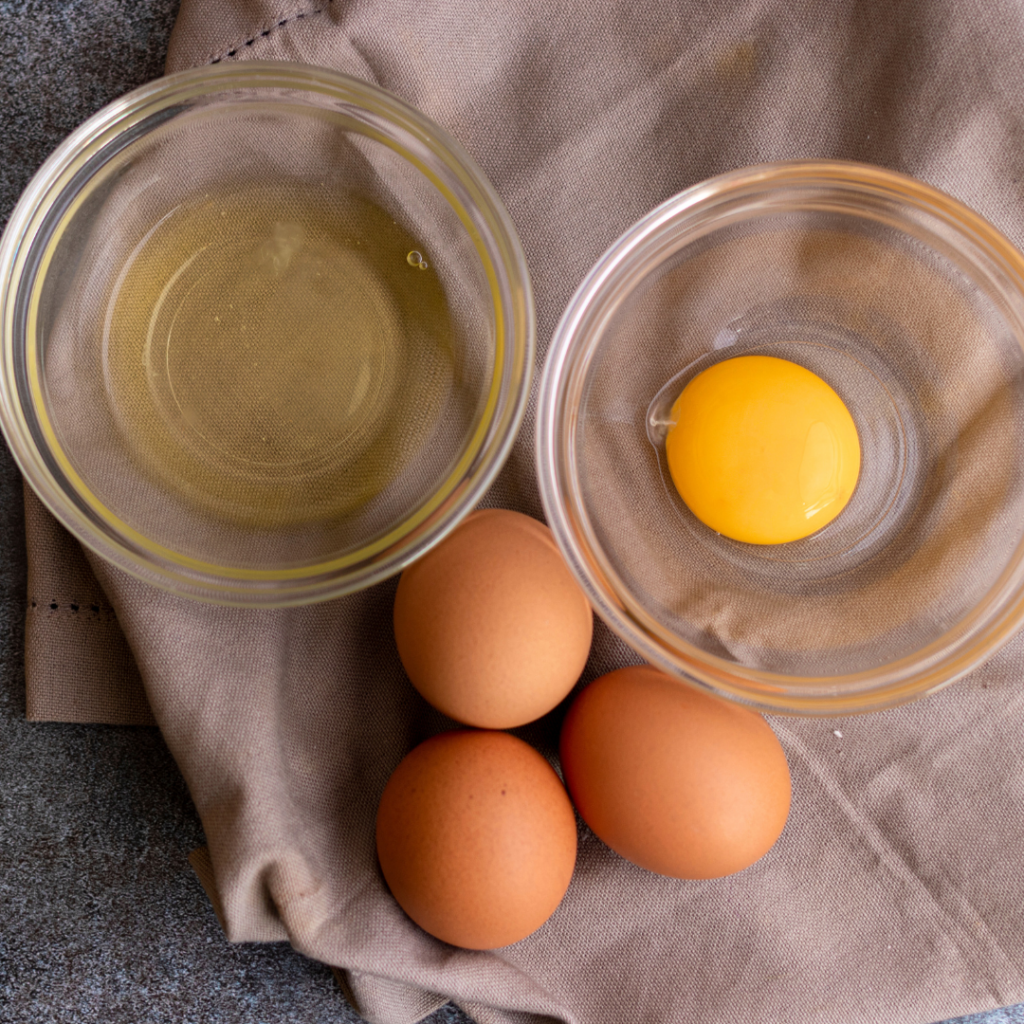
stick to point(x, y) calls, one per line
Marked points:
point(491, 626)
point(676, 781)
point(476, 838)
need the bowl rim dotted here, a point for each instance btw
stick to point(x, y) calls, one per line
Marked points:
point(960, 649)
point(472, 197)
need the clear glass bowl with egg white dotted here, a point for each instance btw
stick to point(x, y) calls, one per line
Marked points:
point(909, 308)
point(267, 333)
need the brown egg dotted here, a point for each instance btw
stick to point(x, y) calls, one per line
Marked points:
point(491, 626)
point(676, 781)
point(476, 838)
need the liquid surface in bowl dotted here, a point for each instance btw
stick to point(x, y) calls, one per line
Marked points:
point(274, 357)
point(762, 450)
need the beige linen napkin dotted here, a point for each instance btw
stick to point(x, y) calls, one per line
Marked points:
point(896, 894)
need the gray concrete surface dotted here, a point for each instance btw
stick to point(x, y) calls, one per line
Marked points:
point(101, 919)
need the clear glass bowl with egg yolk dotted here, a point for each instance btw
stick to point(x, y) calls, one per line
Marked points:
point(910, 309)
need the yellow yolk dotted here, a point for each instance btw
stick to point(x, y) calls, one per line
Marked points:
point(762, 450)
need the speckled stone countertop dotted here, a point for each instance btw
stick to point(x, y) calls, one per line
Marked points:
point(101, 918)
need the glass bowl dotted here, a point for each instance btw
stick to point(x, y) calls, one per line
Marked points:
point(267, 333)
point(912, 308)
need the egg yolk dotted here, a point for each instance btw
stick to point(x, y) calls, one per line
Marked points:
point(762, 450)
